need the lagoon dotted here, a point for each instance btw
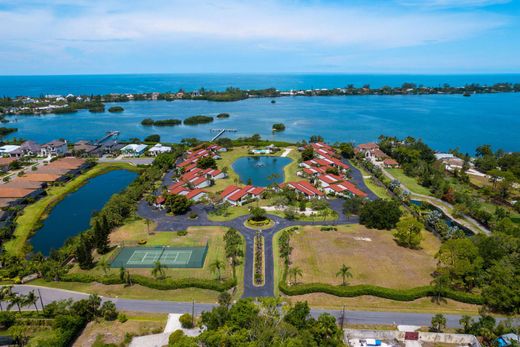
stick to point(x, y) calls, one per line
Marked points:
point(259, 169)
point(442, 121)
point(72, 215)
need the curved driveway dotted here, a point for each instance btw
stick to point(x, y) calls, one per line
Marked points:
point(167, 223)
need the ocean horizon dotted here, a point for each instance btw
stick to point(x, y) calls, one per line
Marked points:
point(86, 84)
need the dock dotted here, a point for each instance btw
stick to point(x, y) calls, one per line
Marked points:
point(220, 132)
point(108, 135)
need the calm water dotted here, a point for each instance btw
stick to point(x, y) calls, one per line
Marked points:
point(259, 168)
point(443, 121)
point(104, 84)
point(72, 214)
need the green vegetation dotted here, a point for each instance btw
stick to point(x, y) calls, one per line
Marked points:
point(29, 220)
point(116, 109)
point(194, 120)
point(6, 131)
point(278, 127)
point(380, 214)
point(153, 138)
point(223, 115)
point(408, 233)
point(161, 122)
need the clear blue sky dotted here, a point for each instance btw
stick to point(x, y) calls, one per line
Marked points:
point(380, 36)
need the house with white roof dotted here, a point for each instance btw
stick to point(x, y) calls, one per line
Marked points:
point(6, 150)
point(158, 149)
point(133, 149)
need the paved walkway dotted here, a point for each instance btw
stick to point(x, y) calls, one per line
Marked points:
point(286, 152)
point(357, 178)
point(352, 317)
point(445, 207)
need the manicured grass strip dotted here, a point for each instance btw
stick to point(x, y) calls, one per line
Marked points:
point(33, 214)
point(409, 182)
point(381, 292)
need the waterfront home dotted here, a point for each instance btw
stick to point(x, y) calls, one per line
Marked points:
point(53, 148)
point(158, 149)
point(180, 188)
point(7, 150)
point(322, 150)
point(196, 194)
point(133, 149)
point(28, 148)
point(237, 196)
point(5, 164)
point(83, 147)
point(304, 188)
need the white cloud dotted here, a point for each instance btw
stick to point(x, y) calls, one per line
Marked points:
point(269, 22)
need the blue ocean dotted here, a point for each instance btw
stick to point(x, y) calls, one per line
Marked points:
point(443, 121)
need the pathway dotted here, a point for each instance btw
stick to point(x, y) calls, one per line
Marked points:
point(352, 317)
point(444, 206)
point(357, 178)
point(286, 152)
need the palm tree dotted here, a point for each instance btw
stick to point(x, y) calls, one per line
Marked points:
point(217, 266)
point(103, 264)
point(147, 222)
point(5, 294)
point(30, 300)
point(294, 272)
point(325, 213)
point(15, 299)
point(122, 274)
point(158, 270)
point(345, 273)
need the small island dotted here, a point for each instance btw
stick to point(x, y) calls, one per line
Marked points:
point(97, 108)
point(161, 122)
point(278, 127)
point(116, 109)
point(194, 120)
point(223, 115)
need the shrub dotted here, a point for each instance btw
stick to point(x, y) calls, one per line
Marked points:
point(193, 215)
point(121, 317)
point(108, 311)
point(153, 138)
point(175, 337)
point(182, 232)
point(186, 321)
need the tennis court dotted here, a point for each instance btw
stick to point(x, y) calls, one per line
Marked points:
point(174, 257)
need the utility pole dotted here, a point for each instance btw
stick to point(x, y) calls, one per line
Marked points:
point(41, 300)
point(193, 313)
point(343, 317)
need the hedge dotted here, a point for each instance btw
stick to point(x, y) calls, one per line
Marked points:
point(381, 292)
point(164, 284)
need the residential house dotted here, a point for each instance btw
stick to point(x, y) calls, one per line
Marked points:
point(53, 148)
point(84, 148)
point(133, 149)
point(390, 163)
point(158, 149)
point(28, 148)
point(238, 196)
point(304, 188)
point(345, 189)
point(7, 150)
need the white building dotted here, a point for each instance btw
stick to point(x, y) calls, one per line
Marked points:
point(158, 149)
point(133, 149)
point(6, 150)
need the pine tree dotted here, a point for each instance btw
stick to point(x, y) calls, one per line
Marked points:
point(84, 252)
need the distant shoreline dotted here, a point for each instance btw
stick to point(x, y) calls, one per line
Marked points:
point(60, 104)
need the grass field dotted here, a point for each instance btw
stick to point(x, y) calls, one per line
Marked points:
point(131, 233)
point(373, 256)
point(409, 182)
point(138, 324)
point(33, 214)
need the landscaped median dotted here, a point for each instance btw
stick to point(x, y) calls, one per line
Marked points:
point(381, 292)
point(32, 215)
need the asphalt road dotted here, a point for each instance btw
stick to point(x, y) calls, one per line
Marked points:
point(352, 317)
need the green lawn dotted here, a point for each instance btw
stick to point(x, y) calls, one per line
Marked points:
point(379, 191)
point(409, 182)
point(32, 215)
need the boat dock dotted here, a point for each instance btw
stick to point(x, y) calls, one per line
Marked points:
point(220, 132)
point(108, 135)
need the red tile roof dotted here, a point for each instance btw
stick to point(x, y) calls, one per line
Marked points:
point(306, 188)
point(228, 191)
point(193, 193)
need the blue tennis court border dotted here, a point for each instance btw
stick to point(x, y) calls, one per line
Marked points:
point(171, 257)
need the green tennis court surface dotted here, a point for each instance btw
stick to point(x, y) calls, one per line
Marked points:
point(174, 257)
